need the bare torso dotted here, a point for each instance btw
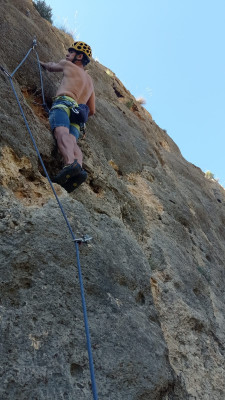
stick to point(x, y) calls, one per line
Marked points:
point(77, 84)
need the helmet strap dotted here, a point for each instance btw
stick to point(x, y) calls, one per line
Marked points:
point(76, 59)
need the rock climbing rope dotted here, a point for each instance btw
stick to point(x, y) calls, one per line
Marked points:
point(76, 241)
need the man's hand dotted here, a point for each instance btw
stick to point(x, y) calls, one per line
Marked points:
point(53, 67)
point(43, 65)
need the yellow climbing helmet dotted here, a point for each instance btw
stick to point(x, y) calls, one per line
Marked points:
point(83, 48)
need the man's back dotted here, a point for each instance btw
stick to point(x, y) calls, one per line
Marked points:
point(77, 84)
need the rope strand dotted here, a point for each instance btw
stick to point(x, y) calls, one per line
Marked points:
point(42, 86)
point(24, 59)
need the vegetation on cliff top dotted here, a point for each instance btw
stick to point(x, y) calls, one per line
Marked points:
point(44, 10)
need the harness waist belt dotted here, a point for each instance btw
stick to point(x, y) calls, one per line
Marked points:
point(64, 97)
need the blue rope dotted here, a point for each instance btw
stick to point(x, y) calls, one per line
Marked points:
point(42, 86)
point(24, 59)
point(91, 363)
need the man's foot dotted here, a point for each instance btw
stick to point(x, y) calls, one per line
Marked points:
point(74, 182)
point(67, 172)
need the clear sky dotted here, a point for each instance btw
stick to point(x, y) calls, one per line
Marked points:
point(172, 53)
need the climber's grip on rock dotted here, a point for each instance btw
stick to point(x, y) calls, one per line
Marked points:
point(76, 88)
point(43, 65)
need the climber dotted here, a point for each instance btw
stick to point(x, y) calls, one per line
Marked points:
point(76, 88)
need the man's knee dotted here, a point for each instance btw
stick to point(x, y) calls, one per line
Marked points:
point(60, 131)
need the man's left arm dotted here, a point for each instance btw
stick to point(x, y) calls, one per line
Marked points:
point(53, 67)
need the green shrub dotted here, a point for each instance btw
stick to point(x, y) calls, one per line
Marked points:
point(130, 104)
point(44, 10)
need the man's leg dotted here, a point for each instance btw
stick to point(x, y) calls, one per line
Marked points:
point(65, 143)
point(77, 153)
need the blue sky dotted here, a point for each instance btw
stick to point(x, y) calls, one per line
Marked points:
point(170, 52)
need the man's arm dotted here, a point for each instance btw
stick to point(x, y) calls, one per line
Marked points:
point(91, 104)
point(53, 67)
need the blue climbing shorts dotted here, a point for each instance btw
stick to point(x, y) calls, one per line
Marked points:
point(60, 115)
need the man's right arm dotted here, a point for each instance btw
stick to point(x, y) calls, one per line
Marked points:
point(53, 67)
point(91, 104)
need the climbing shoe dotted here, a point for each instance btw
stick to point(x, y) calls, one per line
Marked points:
point(74, 182)
point(67, 172)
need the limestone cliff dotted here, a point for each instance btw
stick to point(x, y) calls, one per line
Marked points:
point(154, 272)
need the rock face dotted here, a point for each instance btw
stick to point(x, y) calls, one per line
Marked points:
point(154, 271)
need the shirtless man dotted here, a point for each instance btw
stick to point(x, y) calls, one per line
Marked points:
point(76, 88)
